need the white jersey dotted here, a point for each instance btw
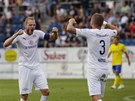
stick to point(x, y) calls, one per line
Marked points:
point(98, 45)
point(27, 47)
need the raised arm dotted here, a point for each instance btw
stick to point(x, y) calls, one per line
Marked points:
point(10, 40)
point(70, 26)
point(54, 34)
point(110, 26)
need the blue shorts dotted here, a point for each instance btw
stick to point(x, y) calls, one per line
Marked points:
point(117, 68)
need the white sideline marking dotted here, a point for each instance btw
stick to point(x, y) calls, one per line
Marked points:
point(129, 98)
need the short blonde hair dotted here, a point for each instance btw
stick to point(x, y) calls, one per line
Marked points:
point(27, 19)
point(98, 19)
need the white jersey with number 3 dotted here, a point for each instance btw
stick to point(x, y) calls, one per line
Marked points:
point(98, 42)
point(27, 47)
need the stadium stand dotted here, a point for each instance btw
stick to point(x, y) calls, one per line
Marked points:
point(55, 13)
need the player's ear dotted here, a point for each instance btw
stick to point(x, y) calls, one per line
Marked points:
point(91, 23)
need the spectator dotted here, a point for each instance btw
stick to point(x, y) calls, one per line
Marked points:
point(132, 28)
point(8, 14)
point(125, 8)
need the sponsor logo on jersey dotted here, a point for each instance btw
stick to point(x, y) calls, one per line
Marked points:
point(28, 47)
point(24, 38)
point(101, 60)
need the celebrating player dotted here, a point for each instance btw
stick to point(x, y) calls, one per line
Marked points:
point(98, 41)
point(29, 71)
point(117, 49)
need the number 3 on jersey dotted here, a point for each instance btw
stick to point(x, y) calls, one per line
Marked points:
point(102, 51)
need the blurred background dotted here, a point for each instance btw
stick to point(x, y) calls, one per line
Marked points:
point(66, 57)
point(55, 13)
point(64, 60)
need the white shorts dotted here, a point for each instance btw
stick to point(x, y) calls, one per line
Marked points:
point(28, 77)
point(96, 80)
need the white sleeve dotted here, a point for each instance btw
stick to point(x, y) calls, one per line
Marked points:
point(15, 40)
point(83, 32)
point(113, 33)
point(40, 33)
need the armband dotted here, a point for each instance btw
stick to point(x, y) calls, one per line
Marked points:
point(46, 36)
point(104, 25)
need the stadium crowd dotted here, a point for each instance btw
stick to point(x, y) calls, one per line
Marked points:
point(58, 12)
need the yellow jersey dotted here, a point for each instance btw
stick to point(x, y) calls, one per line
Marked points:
point(117, 51)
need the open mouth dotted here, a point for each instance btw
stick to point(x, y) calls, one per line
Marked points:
point(32, 30)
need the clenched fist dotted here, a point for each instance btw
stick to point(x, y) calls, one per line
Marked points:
point(20, 32)
point(54, 34)
point(72, 20)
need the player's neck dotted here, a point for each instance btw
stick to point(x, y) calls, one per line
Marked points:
point(28, 32)
point(116, 43)
point(96, 27)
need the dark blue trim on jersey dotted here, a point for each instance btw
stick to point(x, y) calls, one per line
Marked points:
point(46, 36)
point(117, 68)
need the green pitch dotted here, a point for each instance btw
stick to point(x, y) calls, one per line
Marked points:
point(68, 90)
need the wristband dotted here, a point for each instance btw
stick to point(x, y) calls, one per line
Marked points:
point(104, 24)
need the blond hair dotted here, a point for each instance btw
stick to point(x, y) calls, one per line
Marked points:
point(27, 19)
point(97, 19)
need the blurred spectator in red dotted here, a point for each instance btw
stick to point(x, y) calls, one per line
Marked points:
point(132, 28)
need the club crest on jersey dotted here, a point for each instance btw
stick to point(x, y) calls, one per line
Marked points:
point(31, 42)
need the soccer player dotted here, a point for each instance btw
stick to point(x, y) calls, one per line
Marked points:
point(29, 70)
point(117, 49)
point(98, 41)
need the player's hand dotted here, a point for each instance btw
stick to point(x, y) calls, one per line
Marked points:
point(72, 21)
point(55, 30)
point(54, 34)
point(20, 32)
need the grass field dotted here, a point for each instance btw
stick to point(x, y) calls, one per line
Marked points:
point(68, 90)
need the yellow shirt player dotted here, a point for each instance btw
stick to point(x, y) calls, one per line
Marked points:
point(117, 49)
